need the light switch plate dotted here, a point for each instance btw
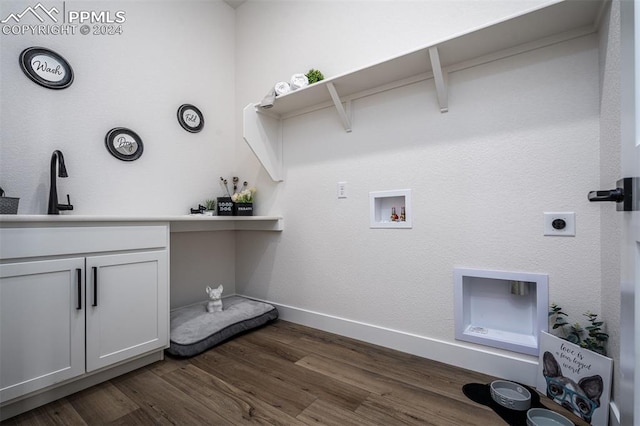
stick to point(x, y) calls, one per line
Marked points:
point(342, 189)
point(560, 224)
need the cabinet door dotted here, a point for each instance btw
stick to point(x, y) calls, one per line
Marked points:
point(41, 324)
point(127, 306)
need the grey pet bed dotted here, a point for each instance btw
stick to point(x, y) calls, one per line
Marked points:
point(194, 330)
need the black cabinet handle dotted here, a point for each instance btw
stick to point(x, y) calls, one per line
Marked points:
point(79, 283)
point(95, 286)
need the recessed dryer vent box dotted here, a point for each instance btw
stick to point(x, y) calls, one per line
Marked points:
point(382, 205)
point(505, 310)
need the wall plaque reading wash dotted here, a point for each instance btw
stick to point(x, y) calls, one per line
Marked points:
point(46, 68)
point(124, 144)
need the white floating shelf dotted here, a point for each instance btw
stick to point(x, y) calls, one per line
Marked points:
point(536, 28)
point(226, 223)
point(184, 223)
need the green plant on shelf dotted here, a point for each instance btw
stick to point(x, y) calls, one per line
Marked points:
point(314, 76)
point(210, 204)
point(591, 337)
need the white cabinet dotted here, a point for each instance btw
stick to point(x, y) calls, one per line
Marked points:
point(127, 305)
point(41, 327)
point(77, 300)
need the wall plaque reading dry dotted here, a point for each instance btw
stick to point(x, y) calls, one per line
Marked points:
point(124, 144)
point(190, 118)
point(46, 68)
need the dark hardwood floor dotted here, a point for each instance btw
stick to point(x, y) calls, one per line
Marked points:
point(280, 374)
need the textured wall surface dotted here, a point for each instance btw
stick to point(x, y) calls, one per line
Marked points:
point(521, 137)
point(198, 260)
point(277, 38)
point(167, 55)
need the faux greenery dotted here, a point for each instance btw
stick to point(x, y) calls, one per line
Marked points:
point(244, 196)
point(314, 76)
point(210, 204)
point(591, 337)
point(240, 195)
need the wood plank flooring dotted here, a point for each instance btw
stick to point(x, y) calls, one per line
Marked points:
point(282, 374)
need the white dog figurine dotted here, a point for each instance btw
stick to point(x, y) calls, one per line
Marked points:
point(215, 305)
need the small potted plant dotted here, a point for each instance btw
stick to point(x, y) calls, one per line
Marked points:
point(573, 369)
point(314, 76)
point(591, 337)
point(243, 201)
point(210, 206)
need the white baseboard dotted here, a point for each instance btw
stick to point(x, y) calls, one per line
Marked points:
point(459, 355)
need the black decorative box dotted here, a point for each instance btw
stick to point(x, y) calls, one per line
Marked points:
point(9, 205)
point(244, 209)
point(225, 206)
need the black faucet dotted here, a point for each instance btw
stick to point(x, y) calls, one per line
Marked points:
point(54, 207)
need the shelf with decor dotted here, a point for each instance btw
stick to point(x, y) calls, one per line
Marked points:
point(539, 27)
point(183, 223)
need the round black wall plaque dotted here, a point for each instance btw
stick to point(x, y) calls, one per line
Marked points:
point(46, 68)
point(124, 144)
point(190, 118)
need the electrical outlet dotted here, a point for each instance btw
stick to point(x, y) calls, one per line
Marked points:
point(342, 189)
point(562, 224)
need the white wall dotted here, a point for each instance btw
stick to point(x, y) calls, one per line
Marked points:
point(521, 138)
point(198, 260)
point(168, 54)
point(277, 38)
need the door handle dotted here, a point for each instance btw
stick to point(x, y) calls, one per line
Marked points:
point(616, 195)
point(95, 286)
point(626, 195)
point(79, 283)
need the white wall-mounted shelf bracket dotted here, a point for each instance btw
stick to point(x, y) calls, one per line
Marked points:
point(344, 114)
point(263, 133)
point(439, 77)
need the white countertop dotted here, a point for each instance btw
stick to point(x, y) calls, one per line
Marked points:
point(112, 218)
point(179, 223)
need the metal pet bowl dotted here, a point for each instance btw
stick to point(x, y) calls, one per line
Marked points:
point(544, 417)
point(510, 395)
point(9, 205)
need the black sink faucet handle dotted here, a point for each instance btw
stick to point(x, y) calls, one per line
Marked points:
point(67, 206)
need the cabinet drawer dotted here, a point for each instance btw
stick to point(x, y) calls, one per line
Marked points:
point(31, 242)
